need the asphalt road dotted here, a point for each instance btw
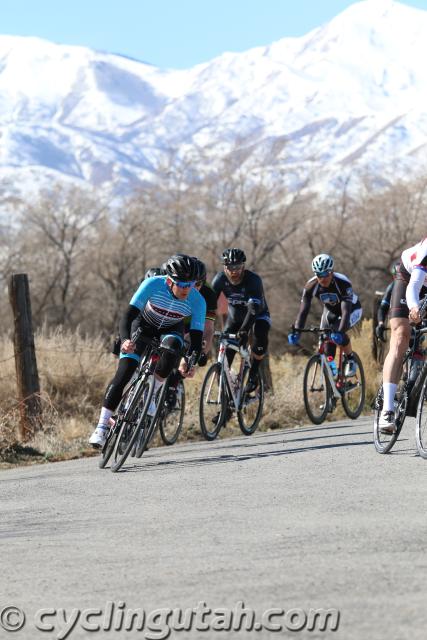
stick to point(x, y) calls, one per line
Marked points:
point(295, 521)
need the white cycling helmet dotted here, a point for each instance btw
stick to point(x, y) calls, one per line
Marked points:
point(322, 264)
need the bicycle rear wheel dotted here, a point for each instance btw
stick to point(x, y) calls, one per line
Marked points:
point(133, 422)
point(317, 391)
point(384, 442)
point(421, 423)
point(172, 417)
point(251, 405)
point(213, 402)
point(353, 398)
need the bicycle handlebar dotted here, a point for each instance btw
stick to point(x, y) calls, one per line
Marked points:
point(313, 330)
point(227, 336)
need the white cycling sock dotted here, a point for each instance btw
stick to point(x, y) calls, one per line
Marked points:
point(104, 417)
point(389, 389)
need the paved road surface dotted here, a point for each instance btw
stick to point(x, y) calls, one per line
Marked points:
point(294, 520)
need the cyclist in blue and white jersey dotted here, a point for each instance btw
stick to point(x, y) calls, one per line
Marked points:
point(159, 308)
point(341, 307)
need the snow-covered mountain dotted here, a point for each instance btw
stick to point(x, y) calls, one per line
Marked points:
point(348, 97)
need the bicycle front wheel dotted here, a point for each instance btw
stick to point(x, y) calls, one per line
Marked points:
point(172, 416)
point(421, 423)
point(317, 391)
point(213, 403)
point(250, 409)
point(353, 398)
point(113, 434)
point(133, 422)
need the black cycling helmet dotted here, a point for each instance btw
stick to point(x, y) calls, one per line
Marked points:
point(233, 256)
point(201, 270)
point(182, 268)
point(155, 271)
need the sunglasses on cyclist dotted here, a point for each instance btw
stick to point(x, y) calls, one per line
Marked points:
point(184, 285)
point(323, 274)
point(233, 268)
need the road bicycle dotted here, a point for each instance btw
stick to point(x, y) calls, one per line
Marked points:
point(410, 398)
point(132, 429)
point(325, 382)
point(224, 391)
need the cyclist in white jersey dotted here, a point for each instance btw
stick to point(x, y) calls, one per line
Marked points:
point(410, 284)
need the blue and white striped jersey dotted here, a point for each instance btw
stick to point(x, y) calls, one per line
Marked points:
point(161, 309)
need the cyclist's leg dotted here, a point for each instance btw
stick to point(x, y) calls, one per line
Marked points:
point(330, 320)
point(230, 327)
point(172, 341)
point(261, 327)
point(350, 364)
point(113, 394)
point(399, 341)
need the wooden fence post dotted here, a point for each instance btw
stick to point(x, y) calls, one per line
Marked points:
point(25, 357)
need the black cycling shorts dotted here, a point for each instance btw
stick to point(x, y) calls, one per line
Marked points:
point(398, 306)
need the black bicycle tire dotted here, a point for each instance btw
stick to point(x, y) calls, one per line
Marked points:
point(248, 431)
point(207, 434)
point(421, 447)
point(116, 466)
point(108, 447)
point(113, 433)
point(170, 441)
point(380, 447)
point(153, 423)
point(355, 414)
point(322, 416)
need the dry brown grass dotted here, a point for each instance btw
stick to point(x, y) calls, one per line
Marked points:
point(74, 371)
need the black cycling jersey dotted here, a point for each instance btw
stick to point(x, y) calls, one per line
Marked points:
point(211, 300)
point(338, 297)
point(238, 294)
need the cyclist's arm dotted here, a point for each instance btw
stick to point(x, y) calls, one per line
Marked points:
point(304, 309)
point(208, 334)
point(126, 322)
point(345, 315)
point(415, 285)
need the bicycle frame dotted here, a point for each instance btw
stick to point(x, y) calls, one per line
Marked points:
point(236, 391)
point(337, 384)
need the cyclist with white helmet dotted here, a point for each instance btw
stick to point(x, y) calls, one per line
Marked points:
point(410, 284)
point(342, 308)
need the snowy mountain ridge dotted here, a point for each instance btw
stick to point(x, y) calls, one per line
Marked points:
point(346, 98)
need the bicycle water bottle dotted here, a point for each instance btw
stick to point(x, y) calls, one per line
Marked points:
point(333, 366)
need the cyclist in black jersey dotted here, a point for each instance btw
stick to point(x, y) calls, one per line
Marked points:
point(247, 307)
point(342, 308)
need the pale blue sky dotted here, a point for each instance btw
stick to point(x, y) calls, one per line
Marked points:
point(169, 33)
